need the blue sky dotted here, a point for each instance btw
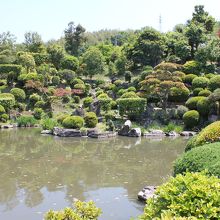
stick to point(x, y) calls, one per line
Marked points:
point(50, 17)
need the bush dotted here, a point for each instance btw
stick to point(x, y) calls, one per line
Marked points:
point(203, 106)
point(19, 94)
point(181, 110)
point(67, 75)
point(205, 93)
point(40, 104)
point(2, 110)
point(26, 121)
point(192, 67)
point(196, 91)
point(132, 107)
point(34, 98)
point(189, 78)
point(128, 76)
point(191, 103)
point(4, 117)
point(76, 81)
point(192, 195)
point(209, 134)
point(200, 82)
point(61, 117)
point(73, 122)
point(191, 118)
point(38, 113)
point(76, 99)
point(179, 94)
point(131, 89)
point(87, 101)
point(214, 83)
point(48, 123)
point(70, 63)
point(7, 100)
point(7, 68)
point(82, 211)
point(91, 120)
point(129, 95)
point(206, 157)
point(55, 80)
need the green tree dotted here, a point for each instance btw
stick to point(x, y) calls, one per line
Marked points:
point(93, 62)
point(74, 37)
point(26, 60)
point(33, 42)
point(7, 41)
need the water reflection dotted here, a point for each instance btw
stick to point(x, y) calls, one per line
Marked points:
point(43, 172)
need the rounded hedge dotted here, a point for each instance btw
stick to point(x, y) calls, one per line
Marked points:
point(209, 134)
point(189, 196)
point(203, 106)
point(189, 78)
point(34, 98)
point(181, 110)
point(191, 103)
point(205, 93)
point(19, 94)
point(214, 83)
point(38, 113)
point(4, 117)
point(61, 117)
point(196, 91)
point(91, 120)
point(179, 94)
point(73, 122)
point(129, 95)
point(2, 110)
point(87, 101)
point(206, 157)
point(191, 118)
point(200, 82)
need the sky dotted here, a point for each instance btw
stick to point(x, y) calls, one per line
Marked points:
point(50, 17)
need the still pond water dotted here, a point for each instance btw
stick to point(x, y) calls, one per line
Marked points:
point(39, 173)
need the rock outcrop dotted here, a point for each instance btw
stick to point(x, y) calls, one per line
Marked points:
point(62, 132)
point(146, 193)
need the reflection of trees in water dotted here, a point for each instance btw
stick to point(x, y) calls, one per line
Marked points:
point(79, 164)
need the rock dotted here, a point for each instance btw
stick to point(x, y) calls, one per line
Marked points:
point(62, 132)
point(102, 135)
point(154, 133)
point(188, 133)
point(146, 193)
point(7, 126)
point(171, 134)
point(79, 112)
point(134, 132)
point(46, 132)
point(125, 129)
point(95, 107)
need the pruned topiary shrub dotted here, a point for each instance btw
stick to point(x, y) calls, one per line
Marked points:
point(181, 110)
point(129, 95)
point(214, 83)
point(191, 103)
point(87, 101)
point(38, 113)
point(209, 134)
point(2, 110)
point(91, 120)
point(206, 157)
point(192, 67)
point(189, 78)
point(193, 195)
point(191, 119)
point(34, 98)
point(205, 93)
point(196, 91)
point(19, 94)
point(4, 117)
point(73, 122)
point(61, 117)
point(179, 94)
point(7, 100)
point(200, 82)
point(203, 106)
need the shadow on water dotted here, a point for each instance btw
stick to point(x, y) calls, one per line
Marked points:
point(39, 173)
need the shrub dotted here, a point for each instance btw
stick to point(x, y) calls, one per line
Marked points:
point(173, 127)
point(2, 110)
point(131, 89)
point(82, 211)
point(4, 117)
point(205, 93)
point(200, 82)
point(38, 113)
point(40, 104)
point(210, 75)
point(181, 110)
point(191, 195)
point(128, 76)
point(209, 134)
point(55, 80)
point(66, 98)
point(48, 123)
point(19, 94)
point(91, 119)
point(80, 86)
point(34, 98)
point(67, 75)
point(26, 121)
point(76, 99)
point(196, 91)
point(73, 122)
point(191, 103)
point(214, 83)
point(203, 106)
point(131, 106)
point(7, 100)
point(189, 78)
point(129, 95)
point(76, 81)
point(121, 92)
point(206, 157)
point(7, 68)
point(87, 101)
point(179, 94)
point(192, 67)
point(61, 117)
point(191, 118)
point(70, 62)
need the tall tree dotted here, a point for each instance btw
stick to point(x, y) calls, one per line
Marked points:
point(74, 37)
point(33, 42)
point(7, 41)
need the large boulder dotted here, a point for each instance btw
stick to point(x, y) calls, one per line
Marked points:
point(154, 133)
point(146, 193)
point(187, 133)
point(134, 132)
point(46, 132)
point(62, 132)
point(124, 131)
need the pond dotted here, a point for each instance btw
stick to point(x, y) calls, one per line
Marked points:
point(39, 172)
